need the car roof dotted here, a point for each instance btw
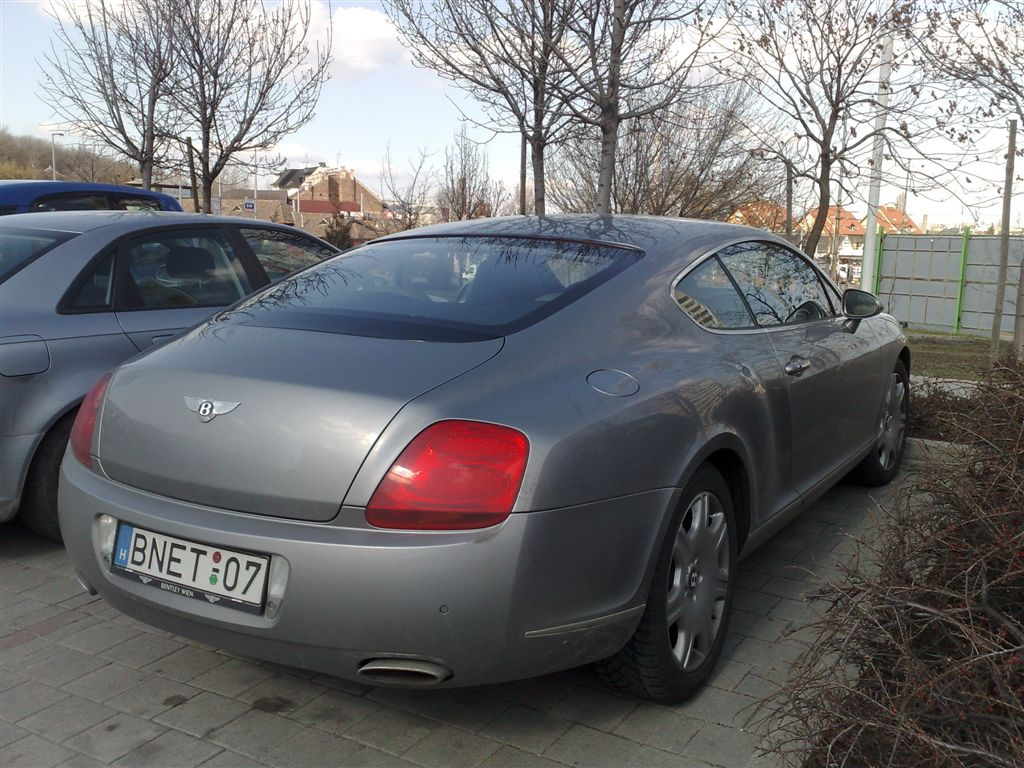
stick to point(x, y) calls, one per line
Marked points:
point(13, 190)
point(652, 234)
point(124, 221)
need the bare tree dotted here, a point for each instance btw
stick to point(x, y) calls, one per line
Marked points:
point(466, 190)
point(407, 195)
point(628, 59)
point(108, 75)
point(246, 74)
point(980, 44)
point(503, 53)
point(818, 64)
point(93, 164)
point(698, 161)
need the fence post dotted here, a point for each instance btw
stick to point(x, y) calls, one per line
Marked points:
point(878, 260)
point(963, 274)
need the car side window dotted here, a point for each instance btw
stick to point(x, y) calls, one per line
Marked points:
point(182, 268)
point(779, 287)
point(708, 296)
point(282, 253)
point(129, 203)
point(96, 290)
point(85, 201)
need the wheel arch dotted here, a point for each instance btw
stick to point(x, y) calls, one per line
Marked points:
point(727, 454)
point(904, 357)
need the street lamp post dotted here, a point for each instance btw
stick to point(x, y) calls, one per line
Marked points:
point(53, 153)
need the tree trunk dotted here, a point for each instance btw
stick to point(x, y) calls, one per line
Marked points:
point(146, 173)
point(609, 140)
point(192, 174)
point(610, 111)
point(537, 159)
point(522, 175)
point(824, 198)
point(207, 194)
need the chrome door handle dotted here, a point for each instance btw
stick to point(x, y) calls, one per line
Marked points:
point(796, 366)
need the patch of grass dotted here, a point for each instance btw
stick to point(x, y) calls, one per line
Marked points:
point(951, 357)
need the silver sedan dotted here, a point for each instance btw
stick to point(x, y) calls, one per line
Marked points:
point(485, 450)
point(82, 292)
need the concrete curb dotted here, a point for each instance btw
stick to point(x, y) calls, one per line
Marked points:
point(920, 452)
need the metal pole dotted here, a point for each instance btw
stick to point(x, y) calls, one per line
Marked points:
point(867, 277)
point(964, 249)
point(789, 201)
point(1004, 244)
point(53, 155)
point(255, 184)
point(1018, 325)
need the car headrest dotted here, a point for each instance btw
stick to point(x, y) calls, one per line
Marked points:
point(187, 262)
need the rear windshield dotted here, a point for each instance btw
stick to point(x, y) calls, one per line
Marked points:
point(444, 288)
point(20, 246)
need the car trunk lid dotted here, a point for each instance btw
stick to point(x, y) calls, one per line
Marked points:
point(309, 408)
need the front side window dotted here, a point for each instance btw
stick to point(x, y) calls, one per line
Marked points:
point(182, 268)
point(442, 288)
point(779, 287)
point(78, 202)
point(708, 296)
point(282, 253)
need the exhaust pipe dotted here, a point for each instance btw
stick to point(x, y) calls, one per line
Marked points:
point(405, 672)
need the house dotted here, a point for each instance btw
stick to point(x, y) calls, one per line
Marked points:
point(340, 187)
point(894, 221)
point(841, 246)
point(763, 215)
point(843, 233)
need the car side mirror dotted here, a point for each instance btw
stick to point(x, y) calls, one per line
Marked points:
point(860, 305)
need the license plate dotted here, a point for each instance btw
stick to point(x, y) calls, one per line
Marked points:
point(200, 571)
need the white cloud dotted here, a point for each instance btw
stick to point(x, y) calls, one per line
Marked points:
point(365, 41)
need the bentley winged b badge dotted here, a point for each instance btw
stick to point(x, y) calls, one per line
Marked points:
point(207, 410)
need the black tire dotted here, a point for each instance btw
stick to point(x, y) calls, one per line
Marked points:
point(648, 666)
point(883, 461)
point(38, 509)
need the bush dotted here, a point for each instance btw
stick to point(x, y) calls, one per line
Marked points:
point(338, 231)
point(920, 660)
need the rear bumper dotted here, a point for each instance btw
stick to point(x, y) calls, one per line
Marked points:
point(15, 455)
point(543, 591)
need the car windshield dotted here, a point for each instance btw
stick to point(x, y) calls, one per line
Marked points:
point(20, 246)
point(441, 288)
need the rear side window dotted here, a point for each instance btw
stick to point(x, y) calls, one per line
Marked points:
point(282, 253)
point(444, 288)
point(96, 290)
point(19, 246)
point(128, 203)
point(708, 296)
point(73, 202)
point(182, 268)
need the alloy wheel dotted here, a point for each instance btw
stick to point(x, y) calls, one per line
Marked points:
point(698, 581)
point(893, 424)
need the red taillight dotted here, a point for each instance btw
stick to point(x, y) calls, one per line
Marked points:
point(85, 421)
point(453, 475)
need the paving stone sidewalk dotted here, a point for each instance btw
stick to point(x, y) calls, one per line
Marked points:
point(83, 685)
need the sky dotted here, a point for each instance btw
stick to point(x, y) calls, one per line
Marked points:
point(376, 97)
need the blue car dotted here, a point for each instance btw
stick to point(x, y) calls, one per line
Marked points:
point(26, 196)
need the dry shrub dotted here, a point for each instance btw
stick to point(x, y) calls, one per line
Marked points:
point(920, 661)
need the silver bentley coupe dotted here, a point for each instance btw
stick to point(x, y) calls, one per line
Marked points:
point(485, 450)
